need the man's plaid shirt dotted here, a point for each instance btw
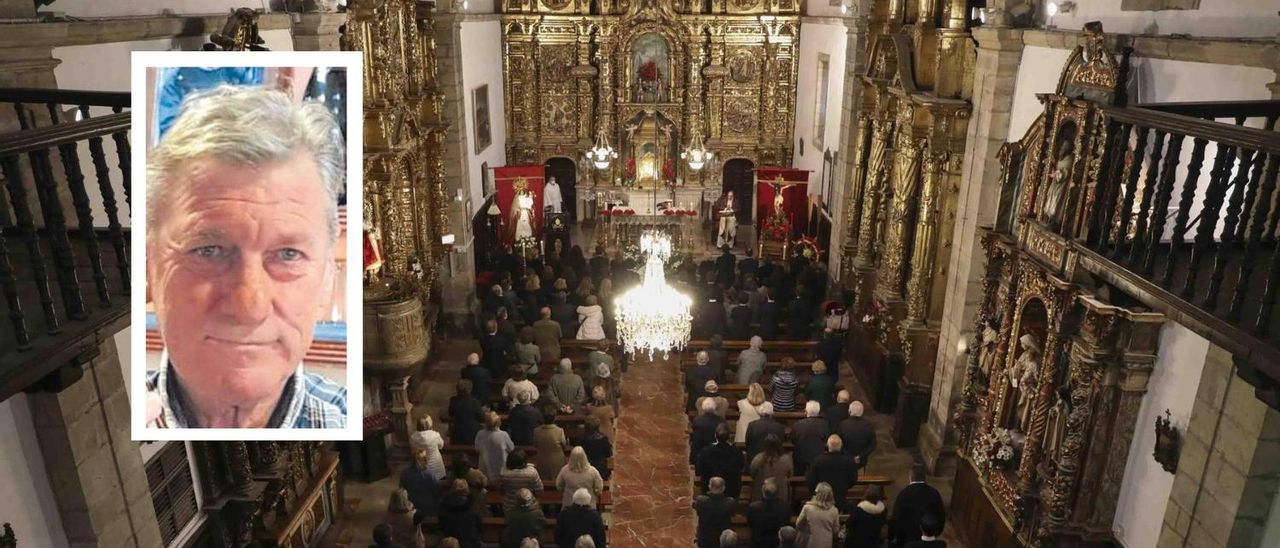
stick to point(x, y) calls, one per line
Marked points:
point(308, 401)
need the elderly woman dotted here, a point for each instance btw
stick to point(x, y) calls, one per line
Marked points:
point(519, 382)
point(605, 380)
point(517, 475)
point(550, 441)
point(590, 319)
point(566, 389)
point(784, 385)
point(818, 519)
point(751, 362)
point(578, 474)
point(493, 446)
point(774, 463)
point(748, 411)
point(400, 517)
point(600, 408)
point(712, 391)
point(426, 439)
point(527, 353)
point(598, 448)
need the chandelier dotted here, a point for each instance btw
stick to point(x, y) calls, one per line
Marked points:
point(601, 154)
point(697, 154)
point(654, 317)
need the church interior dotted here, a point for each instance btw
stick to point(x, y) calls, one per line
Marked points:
point(714, 273)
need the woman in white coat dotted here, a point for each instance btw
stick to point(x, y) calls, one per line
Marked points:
point(748, 411)
point(590, 320)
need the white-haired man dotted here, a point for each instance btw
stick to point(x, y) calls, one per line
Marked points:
point(835, 468)
point(761, 428)
point(242, 198)
point(696, 380)
point(566, 388)
point(715, 513)
point(480, 378)
point(712, 391)
point(704, 428)
point(857, 434)
point(578, 519)
point(809, 434)
point(751, 362)
point(839, 411)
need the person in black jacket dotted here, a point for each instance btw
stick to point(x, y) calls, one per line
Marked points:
point(837, 413)
point(766, 516)
point(930, 528)
point(809, 435)
point(457, 516)
point(748, 265)
point(715, 514)
point(597, 446)
point(579, 518)
point(760, 429)
point(725, 264)
point(769, 310)
point(829, 349)
point(822, 384)
point(799, 315)
point(858, 434)
point(722, 459)
point(916, 500)
point(565, 314)
point(465, 414)
point(704, 429)
point(695, 379)
point(494, 350)
point(522, 419)
point(739, 317)
point(866, 520)
point(421, 485)
point(834, 468)
point(712, 317)
point(480, 378)
point(717, 357)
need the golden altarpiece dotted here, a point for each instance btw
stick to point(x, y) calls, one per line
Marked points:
point(1055, 382)
point(651, 77)
point(404, 197)
point(908, 149)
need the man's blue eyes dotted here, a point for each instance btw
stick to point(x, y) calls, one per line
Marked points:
point(288, 254)
point(208, 251)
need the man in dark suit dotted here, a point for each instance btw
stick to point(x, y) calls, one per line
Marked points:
point(599, 265)
point(712, 317)
point(522, 419)
point(479, 377)
point(769, 310)
point(766, 516)
point(704, 429)
point(565, 314)
point(930, 528)
point(836, 469)
point(717, 357)
point(837, 413)
point(715, 512)
point(696, 378)
point(858, 434)
point(722, 459)
point(724, 266)
point(917, 500)
point(739, 317)
point(799, 314)
point(493, 301)
point(760, 429)
point(580, 518)
point(809, 435)
point(749, 265)
point(496, 353)
point(765, 270)
point(828, 350)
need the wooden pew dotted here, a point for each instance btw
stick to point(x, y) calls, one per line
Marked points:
point(800, 350)
point(491, 529)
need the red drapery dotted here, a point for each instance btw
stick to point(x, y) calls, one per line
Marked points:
point(510, 180)
point(795, 201)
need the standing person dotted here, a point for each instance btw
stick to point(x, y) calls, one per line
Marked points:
point(527, 353)
point(605, 380)
point(739, 318)
point(839, 411)
point(578, 474)
point(580, 518)
point(712, 391)
point(721, 459)
point(751, 362)
point(916, 500)
point(426, 439)
point(480, 378)
point(822, 384)
point(493, 446)
point(696, 380)
point(466, 414)
point(566, 388)
point(400, 517)
point(763, 427)
point(516, 475)
point(704, 429)
point(598, 448)
point(715, 513)
point(930, 529)
point(599, 408)
point(517, 384)
point(866, 521)
point(748, 411)
point(458, 518)
point(771, 463)
point(522, 419)
point(809, 436)
point(524, 521)
point(769, 312)
point(833, 468)
point(716, 358)
point(423, 489)
point(547, 334)
point(461, 469)
point(829, 350)
point(818, 520)
point(590, 320)
point(563, 312)
point(784, 385)
point(858, 434)
point(550, 442)
point(787, 535)
point(767, 515)
point(799, 314)
point(494, 350)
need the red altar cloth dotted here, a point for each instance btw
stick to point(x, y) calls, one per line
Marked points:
point(792, 183)
point(510, 180)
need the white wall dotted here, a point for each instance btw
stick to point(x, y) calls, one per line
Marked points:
point(1144, 491)
point(816, 40)
point(108, 8)
point(28, 501)
point(825, 9)
point(482, 43)
point(1237, 18)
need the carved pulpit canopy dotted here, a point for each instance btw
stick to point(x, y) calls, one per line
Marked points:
point(1091, 72)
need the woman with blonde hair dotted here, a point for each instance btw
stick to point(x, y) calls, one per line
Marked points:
point(748, 411)
point(585, 289)
point(818, 519)
point(590, 319)
point(426, 439)
point(400, 517)
point(600, 408)
point(578, 474)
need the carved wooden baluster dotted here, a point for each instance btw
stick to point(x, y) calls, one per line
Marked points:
point(121, 139)
point(103, 174)
point(1184, 210)
point(9, 284)
point(1230, 242)
point(1251, 196)
point(23, 123)
point(25, 223)
point(1214, 197)
point(1133, 163)
point(1148, 189)
point(1270, 124)
point(80, 199)
point(1160, 210)
point(55, 225)
point(1263, 322)
point(1109, 188)
point(1256, 225)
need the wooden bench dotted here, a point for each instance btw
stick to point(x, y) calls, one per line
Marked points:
point(491, 529)
point(800, 350)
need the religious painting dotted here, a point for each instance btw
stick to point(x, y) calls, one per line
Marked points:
point(820, 109)
point(480, 110)
point(651, 63)
point(651, 147)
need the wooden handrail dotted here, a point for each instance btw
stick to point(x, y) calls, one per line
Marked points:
point(93, 98)
point(1217, 132)
point(1222, 109)
point(47, 137)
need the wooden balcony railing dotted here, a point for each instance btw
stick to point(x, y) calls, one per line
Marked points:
point(1200, 234)
point(64, 272)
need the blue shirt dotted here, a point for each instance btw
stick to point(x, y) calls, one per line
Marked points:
point(175, 84)
point(308, 401)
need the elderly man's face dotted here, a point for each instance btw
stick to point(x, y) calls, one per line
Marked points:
point(239, 269)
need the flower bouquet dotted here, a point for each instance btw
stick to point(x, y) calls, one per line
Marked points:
point(996, 449)
point(777, 228)
point(808, 248)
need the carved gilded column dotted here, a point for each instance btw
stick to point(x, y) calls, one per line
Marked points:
point(977, 382)
point(857, 194)
point(877, 172)
point(584, 73)
point(715, 73)
point(903, 200)
point(924, 250)
point(605, 85)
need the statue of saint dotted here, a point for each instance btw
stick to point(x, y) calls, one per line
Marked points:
point(1025, 378)
point(727, 232)
point(1059, 180)
point(522, 217)
point(987, 352)
point(1058, 423)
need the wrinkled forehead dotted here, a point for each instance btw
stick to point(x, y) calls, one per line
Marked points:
point(289, 188)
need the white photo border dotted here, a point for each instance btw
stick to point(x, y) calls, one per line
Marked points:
point(352, 61)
